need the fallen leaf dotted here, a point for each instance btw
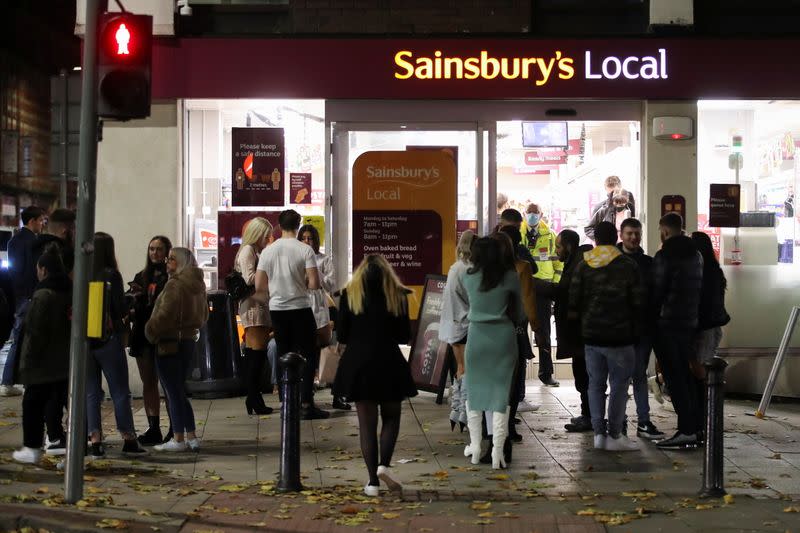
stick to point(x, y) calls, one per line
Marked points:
point(728, 499)
point(390, 516)
point(499, 477)
point(480, 506)
point(441, 474)
point(792, 509)
point(111, 523)
point(232, 488)
point(487, 514)
point(703, 506)
point(42, 490)
point(349, 510)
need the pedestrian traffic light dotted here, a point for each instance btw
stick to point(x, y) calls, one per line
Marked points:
point(123, 65)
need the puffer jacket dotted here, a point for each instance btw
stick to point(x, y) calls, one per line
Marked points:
point(607, 295)
point(180, 310)
point(645, 264)
point(677, 284)
point(44, 357)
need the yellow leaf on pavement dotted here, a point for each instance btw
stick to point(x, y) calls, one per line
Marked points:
point(728, 499)
point(487, 514)
point(390, 516)
point(232, 488)
point(499, 477)
point(703, 506)
point(480, 506)
point(111, 523)
point(792, 509)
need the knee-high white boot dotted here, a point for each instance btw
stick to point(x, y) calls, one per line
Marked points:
point(473, 450)
point(499, 434)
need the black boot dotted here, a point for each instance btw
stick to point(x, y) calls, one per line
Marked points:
point(507, 448)
point(254, 361)
point(487, 457)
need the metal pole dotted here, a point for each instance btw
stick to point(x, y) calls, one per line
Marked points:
point(79, 345)
point(64, 139)
point(291, 366)
point(713, 486)
point(776, 366)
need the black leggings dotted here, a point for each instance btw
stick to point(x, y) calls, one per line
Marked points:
point(368, 433)
point(40, 402)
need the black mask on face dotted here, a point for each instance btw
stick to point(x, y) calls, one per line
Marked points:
point(619, 208)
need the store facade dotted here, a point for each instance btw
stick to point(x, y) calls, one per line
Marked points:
point(338, 99)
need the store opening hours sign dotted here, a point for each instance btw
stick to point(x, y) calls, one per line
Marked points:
point(404, 203)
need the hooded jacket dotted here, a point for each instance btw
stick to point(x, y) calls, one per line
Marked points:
point(677, 284)
point(180, 310)
point(45, 344)
point(607, 295)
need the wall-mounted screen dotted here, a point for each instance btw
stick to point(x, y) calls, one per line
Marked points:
point(544, 134)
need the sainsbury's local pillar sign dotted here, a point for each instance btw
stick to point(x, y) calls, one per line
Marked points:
point(540, 70)
point(404, 206)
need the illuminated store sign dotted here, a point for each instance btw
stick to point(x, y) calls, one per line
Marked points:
point(538, 69)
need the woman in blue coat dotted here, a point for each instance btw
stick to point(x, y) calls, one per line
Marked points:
point(495, 306)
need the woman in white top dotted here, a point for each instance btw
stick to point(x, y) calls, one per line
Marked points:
point(254, 313)
point(453, 324)
point(321, 302)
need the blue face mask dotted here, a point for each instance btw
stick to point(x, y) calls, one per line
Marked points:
point(533, 219)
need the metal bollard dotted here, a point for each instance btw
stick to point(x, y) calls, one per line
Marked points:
point(713, 453)
point(291, 365)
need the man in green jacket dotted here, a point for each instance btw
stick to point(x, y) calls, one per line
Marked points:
point(541, 241)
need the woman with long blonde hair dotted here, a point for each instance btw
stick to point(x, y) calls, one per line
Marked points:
point(373, 320)
point(254, 313)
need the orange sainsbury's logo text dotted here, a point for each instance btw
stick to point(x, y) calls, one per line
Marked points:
point(484, 66)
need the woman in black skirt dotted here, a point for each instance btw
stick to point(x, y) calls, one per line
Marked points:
point(373, 320)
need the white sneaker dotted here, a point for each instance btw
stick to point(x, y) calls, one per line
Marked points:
point(171, 446)
point(620, 444)
point(194, 445)
point(385, 474)
point(9, 390)
point(27, 455)
point(599, 442)
point(527, 407)
point(371, 490)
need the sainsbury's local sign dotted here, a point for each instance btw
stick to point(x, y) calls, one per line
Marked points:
point(540, 70)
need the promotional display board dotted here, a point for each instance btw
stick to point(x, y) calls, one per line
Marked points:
point(300, 187)
point(428, 355)
point(231, 226)
point(723, 205)
point(318, 222)
point(404, 205)
point(257, 161)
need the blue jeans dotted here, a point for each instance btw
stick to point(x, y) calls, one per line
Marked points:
point(16, 343)
point(172, 374)
point(613, 364)
point(640, 391)
point(111, 361)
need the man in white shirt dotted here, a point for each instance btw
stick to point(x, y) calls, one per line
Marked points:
point(287, 270)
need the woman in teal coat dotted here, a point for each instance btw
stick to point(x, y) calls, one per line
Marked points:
point(495, 306)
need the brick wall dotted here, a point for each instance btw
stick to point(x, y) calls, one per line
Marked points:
point(411, 16)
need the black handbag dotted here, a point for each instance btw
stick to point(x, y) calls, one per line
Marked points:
point(237, 288)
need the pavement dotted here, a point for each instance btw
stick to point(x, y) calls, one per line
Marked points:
point(556, 481)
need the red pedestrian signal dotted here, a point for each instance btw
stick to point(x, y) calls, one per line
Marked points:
point(123, 65)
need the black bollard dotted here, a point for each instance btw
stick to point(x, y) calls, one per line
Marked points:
point(291, 366)
point(713, 458)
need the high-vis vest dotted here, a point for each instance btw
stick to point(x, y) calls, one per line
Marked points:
point(543, 252)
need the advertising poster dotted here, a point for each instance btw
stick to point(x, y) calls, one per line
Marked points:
point(723, 205)
point(464, 225)
point(257, 174)
point(230, 227)
point(318, 222)
point(300, 187)
point(428, 355)
point(404, 207)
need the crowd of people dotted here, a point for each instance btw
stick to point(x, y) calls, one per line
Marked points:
point(611, 303)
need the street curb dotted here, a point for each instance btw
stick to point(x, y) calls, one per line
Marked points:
point(16, 516)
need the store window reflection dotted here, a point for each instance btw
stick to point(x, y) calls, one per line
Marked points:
point(767, 134)
point(564, 167)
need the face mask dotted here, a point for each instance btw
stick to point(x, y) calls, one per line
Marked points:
point(533, 219)
point(619, 208)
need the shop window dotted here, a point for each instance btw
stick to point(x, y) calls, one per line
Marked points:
point(567, 182)
point(210, 178)
point(769, 135)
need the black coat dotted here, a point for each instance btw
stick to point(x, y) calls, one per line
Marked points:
point(604, 212)
point(645, 264)
point(712, 313)
point(372, 367)
point(22, 264)
point(64, 249)
point(568, 331)
point(676, 285)
point(144, 295)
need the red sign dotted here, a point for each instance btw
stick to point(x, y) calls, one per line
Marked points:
point(545, 158)
point(257, 174)
point(464, 225)
point(300, 187)
point(714, 233)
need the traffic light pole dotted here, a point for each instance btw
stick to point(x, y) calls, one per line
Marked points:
point(79, 344)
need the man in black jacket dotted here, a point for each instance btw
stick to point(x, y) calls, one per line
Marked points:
point(607, 296)
point(631, 235)
point(568, 330)
point(22, 265)
point(674, 302)
point(60, 232)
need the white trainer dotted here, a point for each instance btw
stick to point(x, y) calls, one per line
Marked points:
point(385, 474)
point(9, 390)
point(620, 444)
point(599, 442)
point(27, 455)
point(171, 446)
point(371, 490)
point(193, 444)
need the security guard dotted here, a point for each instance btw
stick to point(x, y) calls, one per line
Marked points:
point(541, 242)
